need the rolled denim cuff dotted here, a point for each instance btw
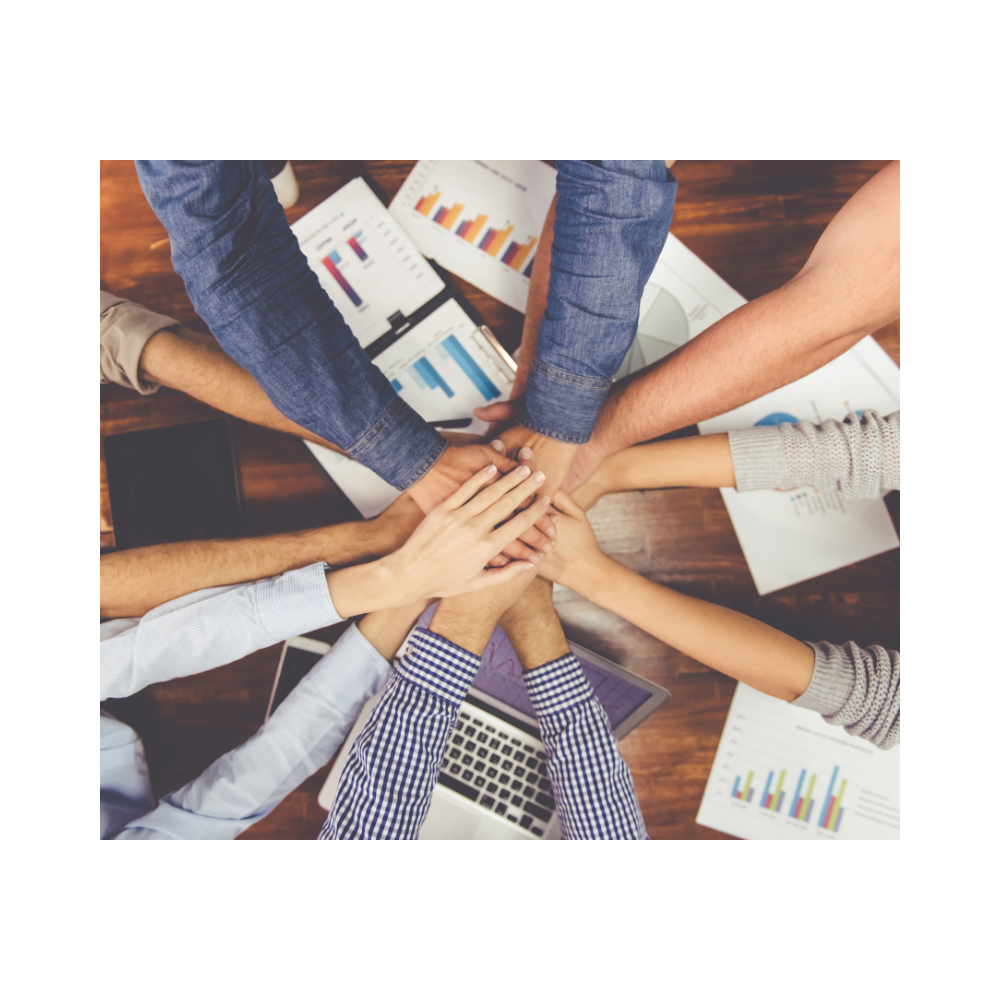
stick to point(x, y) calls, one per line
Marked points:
point(561, 405)
point(400, 446)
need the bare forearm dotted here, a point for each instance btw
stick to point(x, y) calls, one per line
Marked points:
point(386, 630)
point(727, 641)
point(194, 363)
point(702, 460)
point(137, 580)
point(848, 288)
point(538, 293)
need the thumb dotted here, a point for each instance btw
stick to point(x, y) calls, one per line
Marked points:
point(495, 412)
point(491, 577)
point(564, 503)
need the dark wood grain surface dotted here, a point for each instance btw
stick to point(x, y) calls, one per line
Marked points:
point(755, 223)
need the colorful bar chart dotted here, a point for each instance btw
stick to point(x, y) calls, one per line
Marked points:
point(494, 239)
point(446, 216)
point(517, 253)
point(425, 204)
point(469, 228)
point(832, 811)
point(397, 385)
point(746, 794)
point(772, 800)
point(802, 805)
point(356, 246)
point(330, 263)
point(453, 348)
point(427, 377)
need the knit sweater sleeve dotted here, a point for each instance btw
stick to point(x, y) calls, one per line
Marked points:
point(858, 689)
point(858, 457)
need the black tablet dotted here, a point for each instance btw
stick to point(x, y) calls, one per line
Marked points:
point(173, 484)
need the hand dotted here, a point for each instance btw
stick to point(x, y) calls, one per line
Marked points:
point(533, 627)
point(456, 464)
point(578, 554)
point(469, 620)
point(499, 416)
point(539, 452)
point(585, 463)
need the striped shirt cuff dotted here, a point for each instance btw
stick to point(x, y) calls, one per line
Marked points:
point(557, 686)
point(296, 602)
point(433, 663)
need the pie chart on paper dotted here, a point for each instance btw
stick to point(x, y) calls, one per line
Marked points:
point(663, 329)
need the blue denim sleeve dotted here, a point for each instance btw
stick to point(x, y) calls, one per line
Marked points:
point(612, 220)
point(250, 282)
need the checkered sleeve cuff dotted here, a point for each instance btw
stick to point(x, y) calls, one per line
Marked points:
point(557, 686)
point(439, 666)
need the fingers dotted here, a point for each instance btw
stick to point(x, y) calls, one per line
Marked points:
point(537, 540)
point(517, 526)
point(517, 482)
point(502, 559)
point(518, 550)
point(562, 501)
point(469, 488)
point(495, 412)
point(491, 577)
point(520, 496)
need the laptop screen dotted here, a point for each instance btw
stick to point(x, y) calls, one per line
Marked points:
point(500, 676)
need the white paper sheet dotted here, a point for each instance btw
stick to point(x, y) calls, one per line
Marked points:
point(789, 536)
point(446, 347)
point(365, 261)
point(451, 207)
point(849, 789)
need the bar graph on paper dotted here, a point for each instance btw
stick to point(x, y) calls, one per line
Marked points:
point(481, 219)
point(781, 772)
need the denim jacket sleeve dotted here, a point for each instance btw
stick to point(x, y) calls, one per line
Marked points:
point(250, 282)
point(612, 220)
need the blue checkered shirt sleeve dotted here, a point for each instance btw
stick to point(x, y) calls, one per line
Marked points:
point(595, 797)
point(385, 790)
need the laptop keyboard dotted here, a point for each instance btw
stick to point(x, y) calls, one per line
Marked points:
point(504, 772)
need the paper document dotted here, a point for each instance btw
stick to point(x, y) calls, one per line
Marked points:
point(782, 773)
point(444, 367)
point(788, 536)
point(365, 262)
point(480, 219)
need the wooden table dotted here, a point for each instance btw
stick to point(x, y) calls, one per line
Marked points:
point(754, 223)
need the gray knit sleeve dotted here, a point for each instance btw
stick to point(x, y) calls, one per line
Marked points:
point(858, 689)
point(858, 457)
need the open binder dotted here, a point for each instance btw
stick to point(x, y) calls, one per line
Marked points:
point(411, 320)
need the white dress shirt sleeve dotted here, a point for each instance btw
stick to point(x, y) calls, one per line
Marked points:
point(304, 732)
point(209, 628)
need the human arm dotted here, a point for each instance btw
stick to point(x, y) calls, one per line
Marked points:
point(134, 581)
point(302, 734)
point(392, 768)
point(592, 785)
point(848, 288)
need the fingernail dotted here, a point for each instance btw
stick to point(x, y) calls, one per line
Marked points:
point(523, 470)
point(546, 500)
point(490, 469)
point(554, 517)
point(497, 445)
point(551, 532)
point(538, 477)
point(547, 547)
point(534, 560)
point(530, 565)
point(527, 454)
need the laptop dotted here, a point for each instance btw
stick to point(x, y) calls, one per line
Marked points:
point(494, 783)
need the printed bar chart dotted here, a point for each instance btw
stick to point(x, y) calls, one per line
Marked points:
point(746, 794)
point(454, 349)
point(425, 204)
point(832, 811)
point(802, 804)
point(427, 377)
point(330, 263)
point(470, 228)
point(517, 253)
point(772, 800)
point(446, 217)
point(494, 239)
point(353, 243)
